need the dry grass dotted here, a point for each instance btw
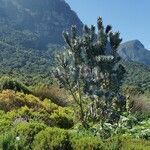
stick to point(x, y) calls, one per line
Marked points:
point(53, 92)
point(140, 105)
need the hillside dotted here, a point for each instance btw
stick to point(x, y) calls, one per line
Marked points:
point(47, 20)
point(30, 34)
point(137, 75)
point(135, 51)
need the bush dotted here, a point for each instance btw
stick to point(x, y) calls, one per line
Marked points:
point(85, 142)
point(51, 139)
point(60, 117)
point(10, 100)
point(145, 134)
point(7, 83)
point(8, 142)
point(132, 90)
point(127, 143)
point(5, 123)
point(63, 117)
point(141, 130)
point(22, 136)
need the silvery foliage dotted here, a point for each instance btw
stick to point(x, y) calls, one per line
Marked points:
point(88, 67)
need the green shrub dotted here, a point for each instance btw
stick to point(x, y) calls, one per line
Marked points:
point(142, 130)
point(7, 83)
point(127, 143)
point(145, 134)
point(51, 139)
point(9, 142)
point(85, 142)
point(63, 117)
point(5, 123)
point(10, 100)
point(22, 136)
point(132, 90)
point(27, 131)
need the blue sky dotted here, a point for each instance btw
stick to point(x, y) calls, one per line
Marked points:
point(130, 17)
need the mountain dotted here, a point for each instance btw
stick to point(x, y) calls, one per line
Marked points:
point(134, 51)
point(137, 74)
point(45, 20)
point(30, 34)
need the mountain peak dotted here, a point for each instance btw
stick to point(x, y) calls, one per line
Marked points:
point(134, 51)
point(133, 43)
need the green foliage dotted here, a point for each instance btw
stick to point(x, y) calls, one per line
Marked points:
point(141, 130)
point(8, 142)
point(8, 83)
point(5, 123)
point(21, 136)
point(23, 63)
point(51, 139)
point(23, 107)
point(10, 100)
point(85, 141)
point(127, 143)
point(63, 117)
point(132, 90)
point(138, 75)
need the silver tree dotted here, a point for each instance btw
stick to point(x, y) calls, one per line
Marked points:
point(89, 69)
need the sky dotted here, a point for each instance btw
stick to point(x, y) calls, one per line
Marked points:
point(130, 17)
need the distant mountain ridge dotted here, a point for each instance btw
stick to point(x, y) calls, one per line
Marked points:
point(134, 51)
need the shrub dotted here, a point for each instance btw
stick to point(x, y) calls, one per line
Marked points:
point(8, 83)
point(141, 130)
point(24, 107)
point(27, 131)
point(85, 142)
point(5, 123)
point(63, 117)
point(10, 100)
point(22, 136)
point(51, 139)
point(145, 134)
point(8, 142)
point(127, 143)
point(131, 90)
